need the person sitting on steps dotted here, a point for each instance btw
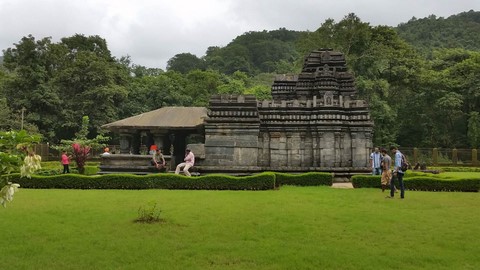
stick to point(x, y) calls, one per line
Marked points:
point(158, 160)
point(189, 162)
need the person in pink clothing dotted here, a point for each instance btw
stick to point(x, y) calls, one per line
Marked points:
point(189, 162)
point(65, 162)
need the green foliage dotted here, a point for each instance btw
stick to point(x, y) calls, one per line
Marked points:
point(443, 100)
point(473, 132)
point(425, 182)
point(456, 31)
point(456, 169)
point(81, 145)
point(185, 62)
point(14, 145)
point(57, 83)
point(256, 52)
point(304, 179)
point(261, 181)
point(148, 213)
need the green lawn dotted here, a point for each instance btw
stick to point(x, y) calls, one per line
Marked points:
point(290, 228)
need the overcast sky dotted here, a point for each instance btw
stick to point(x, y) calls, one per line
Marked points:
point(153, 31)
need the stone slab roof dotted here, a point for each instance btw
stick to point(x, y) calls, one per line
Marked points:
point(165, 118)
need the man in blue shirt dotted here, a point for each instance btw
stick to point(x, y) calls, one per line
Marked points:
point(397, 173)
point(376, 162)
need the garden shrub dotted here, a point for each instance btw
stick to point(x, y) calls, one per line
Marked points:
point(304, 179)
point(89, 170)
point(261, 181)
point(457, 169)
point(366, 181)
point(426, 182)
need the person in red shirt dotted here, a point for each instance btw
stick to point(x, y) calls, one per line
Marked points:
point(65, 162)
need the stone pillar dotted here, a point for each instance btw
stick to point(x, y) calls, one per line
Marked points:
point(302, 149)
point(321, 160)
point(125, 143)
point(474, 157)
point(435, 156)
point(283, 150)
point(341, 143)
point(158, 139)
point(455, 156)
point(353, 146)
point(368, 146)
point(415, 155)
point(266, 149)
point(315, 144)
point(288, 148)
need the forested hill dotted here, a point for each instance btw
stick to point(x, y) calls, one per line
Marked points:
point(252, 52)
point(457, 31)
point(281, 51)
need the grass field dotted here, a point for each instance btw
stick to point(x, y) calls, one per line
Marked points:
point(290, 228)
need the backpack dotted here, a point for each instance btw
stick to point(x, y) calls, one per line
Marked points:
point(404, 164)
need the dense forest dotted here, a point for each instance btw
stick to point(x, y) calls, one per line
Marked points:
point(420, 78)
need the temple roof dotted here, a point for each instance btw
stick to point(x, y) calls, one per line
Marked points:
point(164, 118)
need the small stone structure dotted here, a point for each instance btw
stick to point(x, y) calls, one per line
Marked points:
point(134, 164)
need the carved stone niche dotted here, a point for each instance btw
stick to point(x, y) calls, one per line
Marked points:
point(328, 98)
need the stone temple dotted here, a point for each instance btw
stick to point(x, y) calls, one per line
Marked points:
point(312, 123)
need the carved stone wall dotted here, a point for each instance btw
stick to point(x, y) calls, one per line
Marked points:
point(232, 131)
point(313, 122)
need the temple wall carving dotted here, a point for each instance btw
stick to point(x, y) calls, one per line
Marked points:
point(313, 122)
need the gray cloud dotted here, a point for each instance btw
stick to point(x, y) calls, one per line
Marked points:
point(153, 31)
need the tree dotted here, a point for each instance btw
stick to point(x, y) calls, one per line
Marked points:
point(185, 62)
point(57, 83)
point(201, 85)
point(81, 145)
point(474, 129)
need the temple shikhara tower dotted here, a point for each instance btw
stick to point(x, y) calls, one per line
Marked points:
point(313, 123)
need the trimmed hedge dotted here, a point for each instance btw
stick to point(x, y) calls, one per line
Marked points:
point(457, 169)
point(261, 181)
point(304, 179)
point(49, 171)
point(420, 182)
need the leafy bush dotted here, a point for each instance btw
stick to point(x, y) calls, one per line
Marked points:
point(437, 184)
point(89, 170)
point(426, 182)
point(304, 179)
point(366, 181)
point(149, 213)
point(261, 181)
point(457, 169)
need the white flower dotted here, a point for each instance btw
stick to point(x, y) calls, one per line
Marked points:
point(6, 194)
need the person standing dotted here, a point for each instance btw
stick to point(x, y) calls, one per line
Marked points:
point(397, 173)
point(189, 162)
point(65, 162)
point(376, 162)
point(386, 172)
